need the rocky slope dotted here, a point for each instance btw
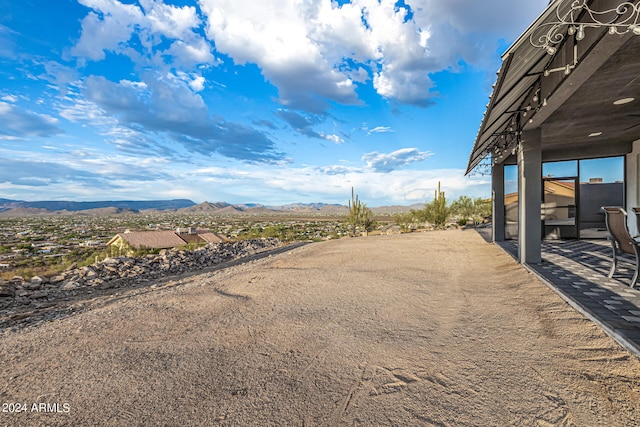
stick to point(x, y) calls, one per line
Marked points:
point(19, 296)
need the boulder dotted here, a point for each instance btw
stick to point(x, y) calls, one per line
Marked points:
point(7, 290)
point(56, 279)
point(95, 282)
point(39, 294)
point(69, 286)
point(32, 286)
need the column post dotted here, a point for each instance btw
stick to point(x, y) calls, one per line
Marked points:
point(497, 200)
point(530, 197)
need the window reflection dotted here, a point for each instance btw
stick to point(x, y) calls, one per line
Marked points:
point(574, 193)
point(601, 184)
point(511, 202)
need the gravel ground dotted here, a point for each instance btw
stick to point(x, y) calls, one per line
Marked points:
point(431, 329)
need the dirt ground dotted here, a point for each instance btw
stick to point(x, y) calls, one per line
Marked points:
point(431, 329)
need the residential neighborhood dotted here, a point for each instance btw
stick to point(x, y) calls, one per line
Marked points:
point(30, 244)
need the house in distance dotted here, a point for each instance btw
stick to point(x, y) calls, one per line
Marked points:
point(132, 240)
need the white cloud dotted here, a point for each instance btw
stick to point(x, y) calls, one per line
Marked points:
point(111, 25)
point(106, 30)
point(468, 29)
point(195, 81)
point(82, 173)
point(379, 129)
point(16, 122)
point(165, 108)
point(333, 45)
point(470, 16)
point(10, 98)
point(313, 51)
point(387, 162)
point(172, 21)
point(332, 184)
point(278, 38)
point(333, 138)
point(80, 110)
point(189, 55)
point(60, 75)
point(406, 87)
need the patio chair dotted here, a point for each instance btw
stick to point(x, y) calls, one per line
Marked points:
point(621, 240)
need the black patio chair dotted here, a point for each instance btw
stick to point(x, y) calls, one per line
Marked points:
point(621, 240)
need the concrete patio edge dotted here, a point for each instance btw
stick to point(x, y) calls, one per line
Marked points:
point(627, 344)
point(620, 339)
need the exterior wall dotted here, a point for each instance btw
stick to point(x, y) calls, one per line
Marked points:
point(593, 197)
point(119, 243)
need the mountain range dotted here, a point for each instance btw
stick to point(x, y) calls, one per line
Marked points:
point(24, 208)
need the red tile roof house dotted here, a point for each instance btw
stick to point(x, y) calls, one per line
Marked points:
point(129, 241)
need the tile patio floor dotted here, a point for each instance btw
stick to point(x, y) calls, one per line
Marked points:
point(577, 270)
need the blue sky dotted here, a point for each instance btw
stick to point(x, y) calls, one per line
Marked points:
point(270, 102)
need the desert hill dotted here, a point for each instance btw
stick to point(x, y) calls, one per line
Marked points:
point(17, 208)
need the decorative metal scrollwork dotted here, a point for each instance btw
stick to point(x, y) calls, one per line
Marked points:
point(620, 20)
point(483, 168)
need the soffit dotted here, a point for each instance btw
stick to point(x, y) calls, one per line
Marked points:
point(591, 108)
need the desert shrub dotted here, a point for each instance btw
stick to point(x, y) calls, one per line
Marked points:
point(360, 216)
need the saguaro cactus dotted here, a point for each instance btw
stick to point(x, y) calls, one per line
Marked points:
point(359, 214)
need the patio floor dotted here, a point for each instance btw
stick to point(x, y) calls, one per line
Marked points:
point(577, 270)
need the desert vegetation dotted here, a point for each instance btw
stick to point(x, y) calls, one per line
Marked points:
point(360, 217)
point(439, 213)
point(42, 245)
point(45, 245)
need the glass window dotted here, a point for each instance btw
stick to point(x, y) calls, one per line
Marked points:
point(511, 202)
point(601, 184)
point(559, 208)
point(602, 171)
point(560, 169)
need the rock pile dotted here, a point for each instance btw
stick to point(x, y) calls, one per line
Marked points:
point(123, 271)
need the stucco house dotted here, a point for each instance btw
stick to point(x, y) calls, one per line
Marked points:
point(163, 239)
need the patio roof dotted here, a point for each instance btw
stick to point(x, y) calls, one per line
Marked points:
point(569, 107)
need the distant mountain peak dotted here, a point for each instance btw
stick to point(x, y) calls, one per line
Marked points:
point(23, 208)
point(62, 205)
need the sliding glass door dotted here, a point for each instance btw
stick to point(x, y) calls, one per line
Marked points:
point(558, 208)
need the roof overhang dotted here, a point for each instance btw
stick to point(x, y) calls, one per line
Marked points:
point(568, 91)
